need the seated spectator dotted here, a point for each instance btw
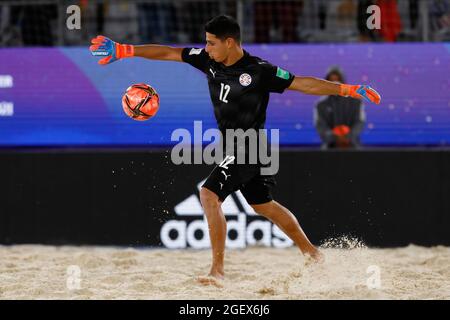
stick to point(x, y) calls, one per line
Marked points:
point(365, 34)
point(339, 120)
point(440, 19)
point(274, 15)
point(391, 24)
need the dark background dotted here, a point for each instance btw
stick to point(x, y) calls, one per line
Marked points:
point(383, 197)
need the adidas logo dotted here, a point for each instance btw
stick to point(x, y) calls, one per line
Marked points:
point(245, 226)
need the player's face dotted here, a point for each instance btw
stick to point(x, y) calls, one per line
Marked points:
point(216, 48)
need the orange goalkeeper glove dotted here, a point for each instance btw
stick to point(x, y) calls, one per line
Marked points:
point(360, 92)
point(112, 51)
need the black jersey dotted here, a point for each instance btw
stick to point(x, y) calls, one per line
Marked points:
point(240, 92)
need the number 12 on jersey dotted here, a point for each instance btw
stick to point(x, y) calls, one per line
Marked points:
point(224, 91)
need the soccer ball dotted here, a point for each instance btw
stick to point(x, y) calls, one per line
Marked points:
point(140, 102)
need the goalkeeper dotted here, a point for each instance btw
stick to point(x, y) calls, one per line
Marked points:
point(239, 86)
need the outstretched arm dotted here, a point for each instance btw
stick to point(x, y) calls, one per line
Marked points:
point(158, 52)
point(112, 51)
point(315, 86)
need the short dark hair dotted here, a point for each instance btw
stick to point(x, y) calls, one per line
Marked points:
point(224, 27)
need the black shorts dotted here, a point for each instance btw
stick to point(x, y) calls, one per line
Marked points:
point(227, 178)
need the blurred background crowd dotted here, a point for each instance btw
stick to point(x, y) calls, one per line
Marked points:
point(42, 22)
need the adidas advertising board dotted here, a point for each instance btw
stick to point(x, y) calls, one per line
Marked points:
point(244, 226)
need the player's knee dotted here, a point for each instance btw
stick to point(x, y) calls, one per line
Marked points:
point(209, 199)
point(265, 209)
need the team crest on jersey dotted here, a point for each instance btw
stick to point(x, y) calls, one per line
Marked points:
point(195, 51)
point(245, 79)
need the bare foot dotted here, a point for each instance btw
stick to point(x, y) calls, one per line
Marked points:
point(318, 256)
point(314, 256)
point(214, 278)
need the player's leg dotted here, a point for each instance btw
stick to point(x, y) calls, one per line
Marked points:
point(222, 181)
point(217, 226)
point(258, 193)
point(289, 224)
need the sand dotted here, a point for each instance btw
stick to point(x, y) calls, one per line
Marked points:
point(48, 272)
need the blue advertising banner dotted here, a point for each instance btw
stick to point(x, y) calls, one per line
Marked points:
point(62, 97)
